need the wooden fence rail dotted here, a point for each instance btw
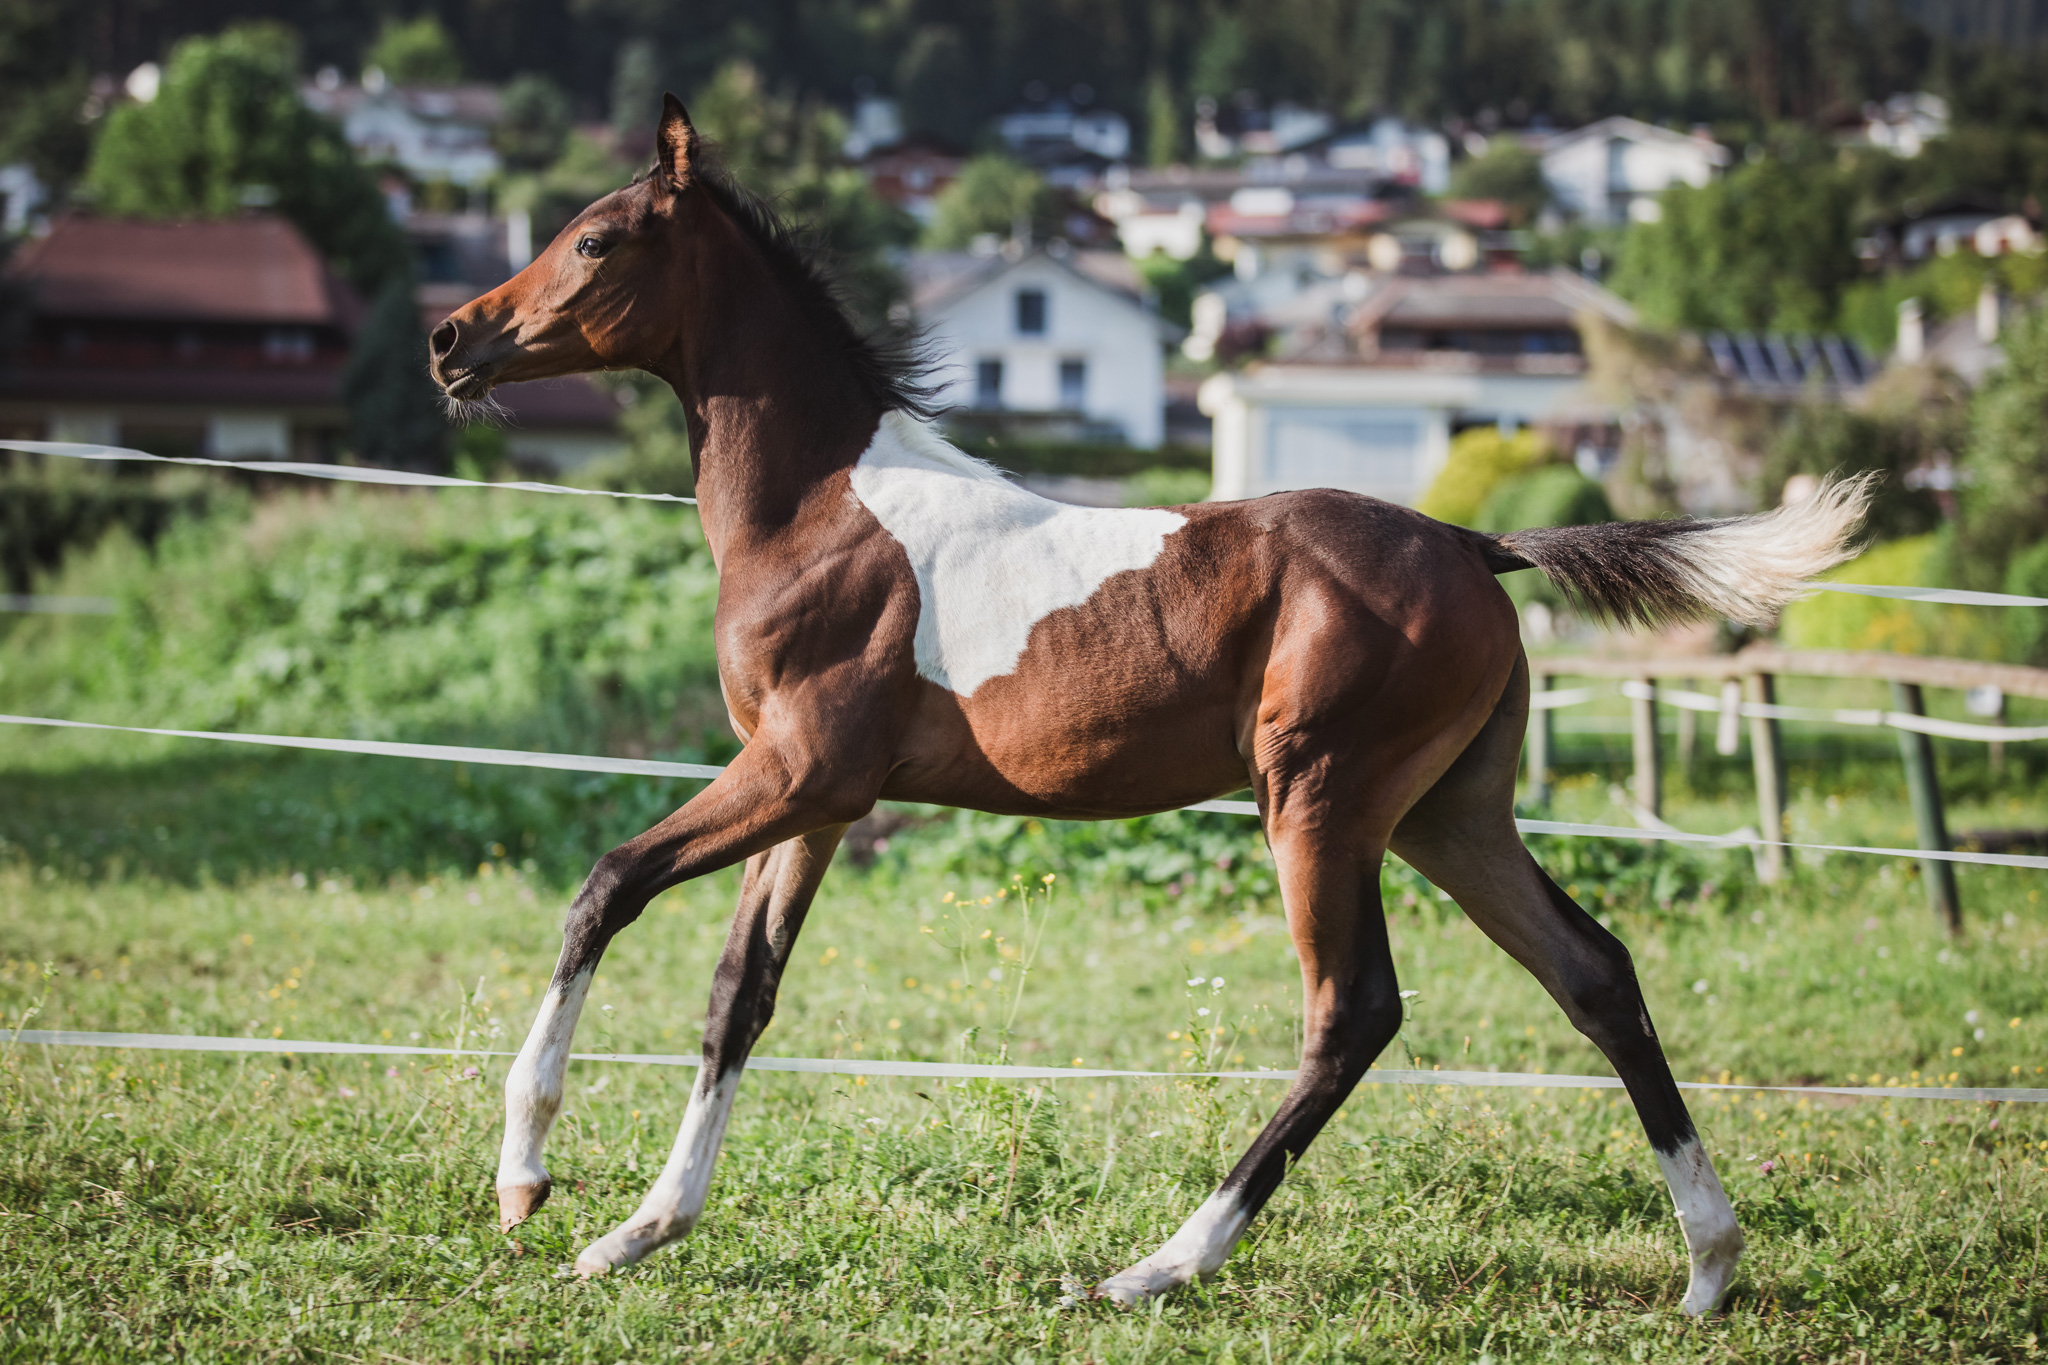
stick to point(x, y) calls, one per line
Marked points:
point(1755, 672)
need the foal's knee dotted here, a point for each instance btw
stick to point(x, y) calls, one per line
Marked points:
point(1353, 1033)
point(1603, 1000)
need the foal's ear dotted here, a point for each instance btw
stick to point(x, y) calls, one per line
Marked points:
point(676, 143)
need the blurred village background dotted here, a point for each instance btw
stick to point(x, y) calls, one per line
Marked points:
point(1516, 263)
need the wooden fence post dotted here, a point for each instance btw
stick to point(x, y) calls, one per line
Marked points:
point(1540, 736)
point(1767, 755)
point(1688, 731)
point(1923, 784)
point(1648, 776)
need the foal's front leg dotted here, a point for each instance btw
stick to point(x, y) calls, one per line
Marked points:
point(749, 809)
point(773, 900)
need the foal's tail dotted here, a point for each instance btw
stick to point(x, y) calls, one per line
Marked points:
point(1650, 572)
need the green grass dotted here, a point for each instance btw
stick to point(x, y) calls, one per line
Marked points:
point(322, 1209)
point(162, 1205)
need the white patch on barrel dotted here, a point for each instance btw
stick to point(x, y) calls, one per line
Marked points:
point(1712, 1237)
point(533, 1087)
point(991, 559)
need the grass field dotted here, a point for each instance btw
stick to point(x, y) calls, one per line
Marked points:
point(157, 1206)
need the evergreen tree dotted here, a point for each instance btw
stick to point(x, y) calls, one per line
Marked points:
point(415, 52)
point(393, 405)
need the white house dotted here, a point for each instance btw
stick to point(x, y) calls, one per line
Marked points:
point(1612, 171)
point(1046, 333)
point(436, 133)
point(1372, 406)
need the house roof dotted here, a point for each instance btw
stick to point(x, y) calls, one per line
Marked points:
point(1634, 130)
point(937, 278)
point(472, 103)
point(251, 269)
point(1553, 299)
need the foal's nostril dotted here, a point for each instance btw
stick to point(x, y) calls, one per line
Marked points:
point(442, 341)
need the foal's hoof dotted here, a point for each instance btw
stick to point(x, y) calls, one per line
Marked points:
point(619, 1248)
point(517, 1203)
point(1139, 1285)
point(1713, 1271)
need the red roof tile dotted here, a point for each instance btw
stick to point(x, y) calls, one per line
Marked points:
point(251, 269)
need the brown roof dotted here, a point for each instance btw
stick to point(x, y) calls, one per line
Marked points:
point(251, 269)
point(1553, 299)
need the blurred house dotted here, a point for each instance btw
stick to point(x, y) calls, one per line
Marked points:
point(1060, 345)
point(1611, 172)
point(1964, 221)
point(1399, 152)
point(1068, 145)
point(21, 196)
point(1904, 124)
point(228, 339)
point(1294, 271)
point(911, 174)
point(876, 125)
point(225, 339)
point(431, 132)
point(1246, 126)
point(1369, 400)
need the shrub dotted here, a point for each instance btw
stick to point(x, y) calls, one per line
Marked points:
point(1480, 459)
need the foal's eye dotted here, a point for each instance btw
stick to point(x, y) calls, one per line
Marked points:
point(592, 247)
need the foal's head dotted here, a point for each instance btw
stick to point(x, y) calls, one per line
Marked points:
point(606, 294)
point(628, 285)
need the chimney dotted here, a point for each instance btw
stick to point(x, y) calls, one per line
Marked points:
point(1912, 343)
point(1987, 313)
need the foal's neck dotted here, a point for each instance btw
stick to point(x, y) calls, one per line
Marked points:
point(774, 406)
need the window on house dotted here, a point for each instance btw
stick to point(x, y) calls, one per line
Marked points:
point(1031, 312)
point(1074, 384)
point(287, 344)
point(988, 384)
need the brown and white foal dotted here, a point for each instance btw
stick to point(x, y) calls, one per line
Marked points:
point(898, 622)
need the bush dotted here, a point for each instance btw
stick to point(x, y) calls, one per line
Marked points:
point(46, 514)
point(1480, 458)
point(1832, 620)
point(1552, 495)
point(1166, 487)
point(556, 623)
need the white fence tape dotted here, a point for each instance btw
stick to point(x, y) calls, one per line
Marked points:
point(641, 767)
point(56, 605)
point(81, 450)
point(841, 1066)
point(1953, 596)
point(340, 473)
point(449, 753)
point(1897, 720)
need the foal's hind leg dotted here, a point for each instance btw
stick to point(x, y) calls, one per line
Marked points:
point(774, 897)
point(1461, 836)
point(1353, 1007)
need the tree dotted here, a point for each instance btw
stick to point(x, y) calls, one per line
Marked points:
point(227, 131)
point(535, 125)
point(393, 406)
point(788, 149)
point(993, 194)
point(42, 93)
point(416, 52)
point(635, 92)
point(1769, 247)
point(2002, 508)
point(1507, 172)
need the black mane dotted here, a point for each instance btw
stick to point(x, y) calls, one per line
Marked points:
point(891, 362)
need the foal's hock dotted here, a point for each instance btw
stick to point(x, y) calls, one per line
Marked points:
point(898, 621)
